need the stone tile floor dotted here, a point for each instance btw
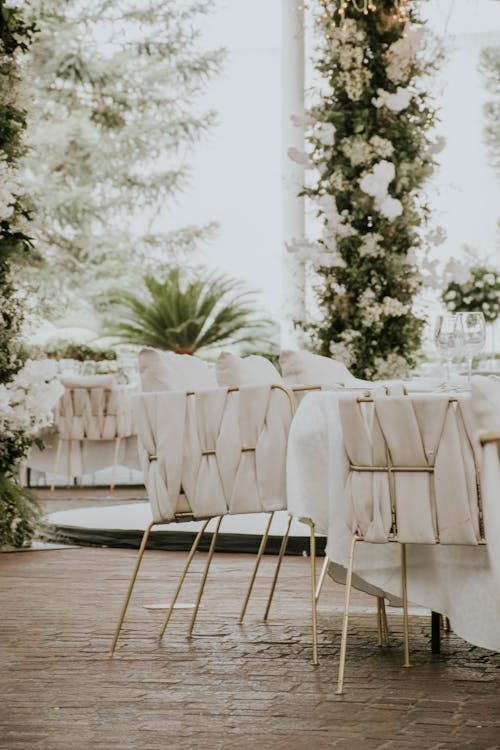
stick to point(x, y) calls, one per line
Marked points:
point(249, 687)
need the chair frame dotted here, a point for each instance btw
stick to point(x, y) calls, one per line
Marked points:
point(188, 516)
point(57, 459)
point(390, 469)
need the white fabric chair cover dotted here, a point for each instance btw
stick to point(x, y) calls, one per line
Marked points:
point(486, 408)
point(433, 478)
point(95, 413)
point(214, 452)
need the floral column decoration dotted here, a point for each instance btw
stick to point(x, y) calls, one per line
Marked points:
point(28, 390)
point(369, 145)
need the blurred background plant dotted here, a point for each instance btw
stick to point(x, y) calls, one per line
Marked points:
point(480, 292)
point(187, 312)
point(117, 92)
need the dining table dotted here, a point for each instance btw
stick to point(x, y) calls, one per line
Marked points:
point(456, 581)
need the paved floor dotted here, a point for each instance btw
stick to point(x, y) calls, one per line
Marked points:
point(249, 687)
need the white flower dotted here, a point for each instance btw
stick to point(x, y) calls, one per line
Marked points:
point(395, 366)
point(382, 147)
point(437, 146)
point(354, 81)
point(436, 236)
point(300, 157)
point(357, 150)
point(328, 206)
point(350, 56)
point(395, 102)
point(376, 182)
point(342, 352)
point(401, 55)
point(325, 133)
point(370, 245)
point(393, 308)
point(391, 208)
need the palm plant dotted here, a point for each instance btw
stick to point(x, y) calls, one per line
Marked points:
point(184, 315)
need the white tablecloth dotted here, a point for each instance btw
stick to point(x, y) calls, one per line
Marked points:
point(455, 581)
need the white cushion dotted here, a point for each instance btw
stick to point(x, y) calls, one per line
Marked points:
point(311, 369)
point(88, 381)
point(167, 371)
point(234, 371)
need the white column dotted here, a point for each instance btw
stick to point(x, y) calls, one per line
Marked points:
point(293, 219)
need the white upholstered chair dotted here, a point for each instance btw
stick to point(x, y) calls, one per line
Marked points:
point(412, 479)
point(92, 408)
point(211, 453)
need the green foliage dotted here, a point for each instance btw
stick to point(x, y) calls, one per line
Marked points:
point(185, 314)
point(18, 510)
point(79, 352)
point(367, 275)
point(19, 514)
point(480, 293)
point(117, 86)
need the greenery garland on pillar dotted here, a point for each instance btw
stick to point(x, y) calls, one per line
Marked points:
point(28, 390)
point(369, 142)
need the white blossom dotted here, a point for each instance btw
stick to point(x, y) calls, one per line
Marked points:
point(377, 181)
point(437, 146)
point(370, 245)
point(357, 150)
point(393, 308)
point(391, 208)
point(27, 402)
point(350, 56)
point(342, 352)
point(457, 271)
point(401, 55)
point(300, 157)
point(354, 81)
point(394, 366)
point(325, 133)
point(436, 236)
point(395, 102)
point(382, 147)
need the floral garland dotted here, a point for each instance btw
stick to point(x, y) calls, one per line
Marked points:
point(368, 144)
point(28, 391)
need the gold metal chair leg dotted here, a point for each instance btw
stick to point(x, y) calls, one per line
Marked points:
point(115, 463)
point(192, 551)
point(379, 622)
point(322, 577)
point(205, 574)
point(382, 626)
point(130, 587)
point(281, 554)
point(385, 625)
point(262, 547)
point(56, 464)
point(314, 611)
point(405, 607)
point(312, 555)
point(343, 643)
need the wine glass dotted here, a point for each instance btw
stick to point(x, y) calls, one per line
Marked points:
point(474, 333)
point(449, 339)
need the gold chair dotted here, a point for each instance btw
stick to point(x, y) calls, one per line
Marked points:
point(413, 478)
point(209, 454)
point(92, 412)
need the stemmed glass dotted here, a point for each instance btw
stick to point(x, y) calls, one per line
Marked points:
point(449, 339)
point(474, 333)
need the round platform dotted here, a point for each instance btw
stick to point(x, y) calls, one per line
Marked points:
point(123, 526)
